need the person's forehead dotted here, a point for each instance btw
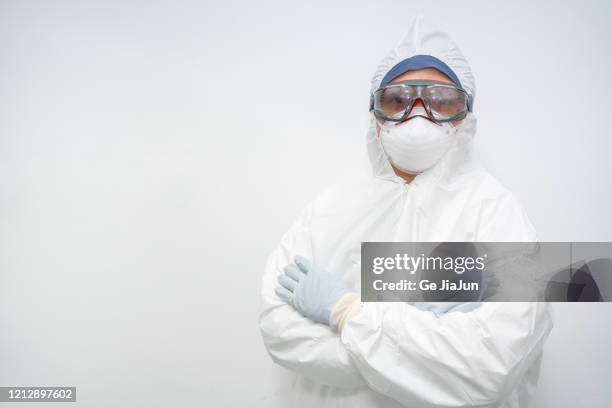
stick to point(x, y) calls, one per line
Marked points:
point(427, 74)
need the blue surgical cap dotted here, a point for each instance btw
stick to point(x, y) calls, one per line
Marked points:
point(419, 62)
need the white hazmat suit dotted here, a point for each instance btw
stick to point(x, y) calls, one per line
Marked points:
point(395, 354)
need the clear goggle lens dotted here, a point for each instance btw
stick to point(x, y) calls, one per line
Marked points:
point(441, 102)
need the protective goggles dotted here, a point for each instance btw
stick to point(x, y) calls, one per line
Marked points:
point(443, 102)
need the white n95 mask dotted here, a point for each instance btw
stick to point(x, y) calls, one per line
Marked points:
point(416, 145)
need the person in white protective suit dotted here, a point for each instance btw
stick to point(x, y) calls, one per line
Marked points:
point(425, 187)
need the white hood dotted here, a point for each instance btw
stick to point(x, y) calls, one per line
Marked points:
point(422, 39)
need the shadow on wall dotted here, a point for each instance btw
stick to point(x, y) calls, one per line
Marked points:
point(590, 282)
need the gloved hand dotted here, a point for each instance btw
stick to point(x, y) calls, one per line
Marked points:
point(310, 290)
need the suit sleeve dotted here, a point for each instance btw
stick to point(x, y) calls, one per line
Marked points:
point(457, 359)
point(293, 341)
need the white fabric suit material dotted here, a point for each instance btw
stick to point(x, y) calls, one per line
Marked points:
point(396, 354)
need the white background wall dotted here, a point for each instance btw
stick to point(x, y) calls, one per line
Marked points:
point(152, 154)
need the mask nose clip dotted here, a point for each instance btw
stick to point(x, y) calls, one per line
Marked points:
point(417, 108)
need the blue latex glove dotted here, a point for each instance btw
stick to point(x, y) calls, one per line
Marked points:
point(441, 308)
point(310, 290)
